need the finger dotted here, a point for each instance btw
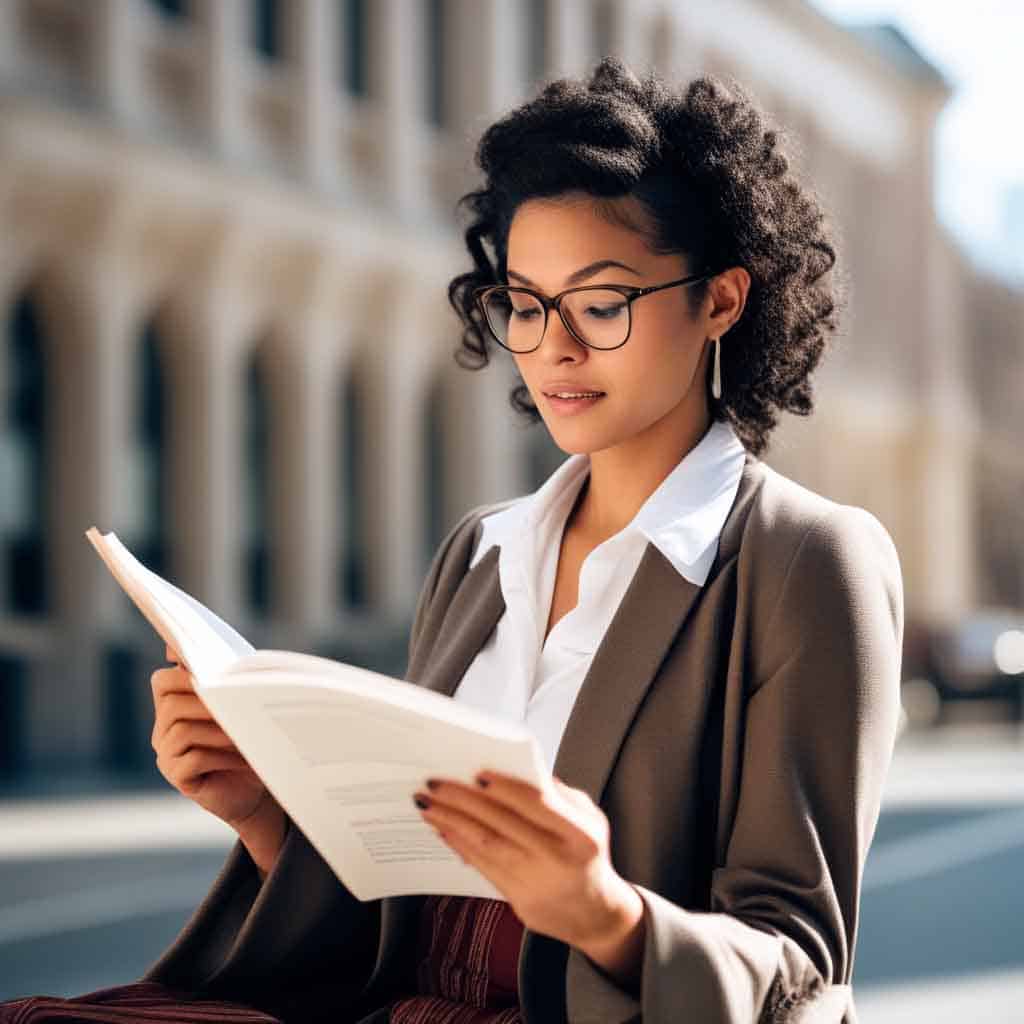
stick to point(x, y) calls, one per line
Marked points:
point(176, 707)
point(198, 761)
point(182, 736)
point(547, 808)
point(171, 654)
point(457, 806)
point(170, 680)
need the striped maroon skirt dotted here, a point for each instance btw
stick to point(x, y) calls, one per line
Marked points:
point(467, 958)
point(464, 972)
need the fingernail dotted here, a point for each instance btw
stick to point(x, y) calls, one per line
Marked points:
point(432, 783)
point(482, 781)
point(422, 802)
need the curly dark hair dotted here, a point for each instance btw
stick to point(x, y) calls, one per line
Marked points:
point(713, 185)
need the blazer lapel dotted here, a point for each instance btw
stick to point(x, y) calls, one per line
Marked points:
point(651, 613)
point(472, 616)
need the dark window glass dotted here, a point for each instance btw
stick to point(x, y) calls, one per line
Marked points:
point(354, 46)
point(22, 465)
point(353, 583)
point(14, 691)
point(128, 718)
point(266, 28)
point(172, 8)
point(150, 435)
point(255, 551)
point(435, 59)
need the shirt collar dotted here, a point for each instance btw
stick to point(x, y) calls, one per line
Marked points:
point(683, 517)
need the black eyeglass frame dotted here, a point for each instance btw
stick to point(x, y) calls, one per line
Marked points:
point(629, 292)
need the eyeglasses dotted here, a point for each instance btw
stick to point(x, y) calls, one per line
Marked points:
point(598, 316)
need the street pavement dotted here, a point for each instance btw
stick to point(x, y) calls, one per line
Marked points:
point(92, 889)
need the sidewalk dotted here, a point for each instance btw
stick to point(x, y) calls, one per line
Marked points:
point(968, 765)
point(995, 998)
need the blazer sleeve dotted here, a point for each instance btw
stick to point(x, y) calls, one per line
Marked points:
point(820, 728)
point(299, 944)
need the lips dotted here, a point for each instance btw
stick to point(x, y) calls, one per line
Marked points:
point(565, 388)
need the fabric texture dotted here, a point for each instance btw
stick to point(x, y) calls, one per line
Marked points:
point(520, 674)
point(737, 734)
point(467, 957)
point(143, 1002)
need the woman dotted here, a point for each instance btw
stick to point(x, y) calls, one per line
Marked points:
point(707, 652)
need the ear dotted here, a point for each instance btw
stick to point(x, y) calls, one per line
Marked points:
point(727, 294)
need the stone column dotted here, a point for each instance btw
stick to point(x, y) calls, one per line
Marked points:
point(205, 368)
point(396, 376)
point(302, 374)
point(10, 43)
point(91, 334)
point(630, 34)
point(312, 39)
point(223, 25)
point(486, 72)
point(569, 50)
point(676, 51)
point(89, 326)
point(397, 80)
point(113, 36)
point(945, 444)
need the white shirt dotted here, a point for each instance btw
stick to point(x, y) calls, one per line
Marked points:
point(519, 674)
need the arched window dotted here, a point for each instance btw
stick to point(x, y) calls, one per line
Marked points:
point(266, 28)
point(255, 549)
point(150, 434)
point(352, 542)
point(23, 511)
point(171, 8)
point(354, 46)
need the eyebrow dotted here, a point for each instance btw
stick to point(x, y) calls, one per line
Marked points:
point(578, 275)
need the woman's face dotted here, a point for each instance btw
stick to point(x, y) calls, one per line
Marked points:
point(654, 384)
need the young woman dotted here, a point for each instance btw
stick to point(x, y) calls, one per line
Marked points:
point(707, 652)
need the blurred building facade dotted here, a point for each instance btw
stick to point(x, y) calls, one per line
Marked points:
point(228, 233)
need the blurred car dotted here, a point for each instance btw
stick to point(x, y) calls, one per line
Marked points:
point(978, 658)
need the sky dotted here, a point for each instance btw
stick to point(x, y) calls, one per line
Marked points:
point(978, 46)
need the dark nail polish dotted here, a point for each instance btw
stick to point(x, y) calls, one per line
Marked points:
point(432, 783)
point(482, 782)
point(422, 801)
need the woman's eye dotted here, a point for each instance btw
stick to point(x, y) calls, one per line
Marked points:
point(525, 314)
point(606, 312)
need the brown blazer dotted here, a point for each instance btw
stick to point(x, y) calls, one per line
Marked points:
point(737, 735)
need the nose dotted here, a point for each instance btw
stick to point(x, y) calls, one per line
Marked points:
point(558, 341)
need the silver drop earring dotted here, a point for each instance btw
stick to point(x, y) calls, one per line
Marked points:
point(716, 378)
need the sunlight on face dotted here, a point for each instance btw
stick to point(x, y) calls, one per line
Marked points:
point(651, 384)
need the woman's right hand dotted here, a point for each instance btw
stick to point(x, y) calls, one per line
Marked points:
point(196, 757)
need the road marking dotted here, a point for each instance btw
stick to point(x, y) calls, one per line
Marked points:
point(940, 849)
point(37, 829)
point(112, 904)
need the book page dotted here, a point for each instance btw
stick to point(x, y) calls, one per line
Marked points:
point(344, 766)
point(205, 642)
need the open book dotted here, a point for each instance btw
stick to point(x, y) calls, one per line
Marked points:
point(341, 748)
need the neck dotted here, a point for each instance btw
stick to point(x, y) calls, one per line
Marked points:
point(623, 477)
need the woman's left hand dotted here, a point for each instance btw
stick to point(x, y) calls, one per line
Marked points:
point(545, 849)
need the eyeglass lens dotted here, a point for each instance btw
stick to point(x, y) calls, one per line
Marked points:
point(600, 316)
